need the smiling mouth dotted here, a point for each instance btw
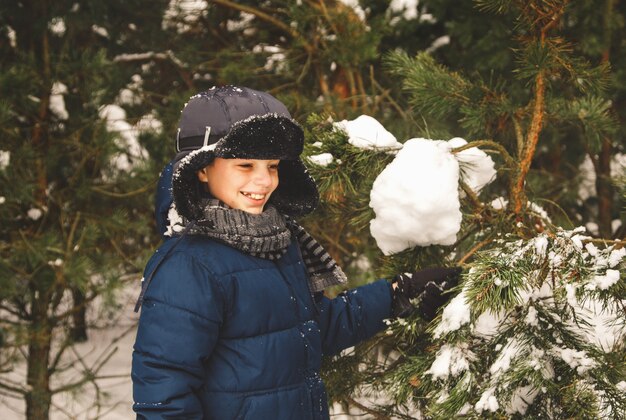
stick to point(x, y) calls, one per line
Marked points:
point(254, 196)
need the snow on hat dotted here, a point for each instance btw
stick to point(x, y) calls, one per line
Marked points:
point(238, 122)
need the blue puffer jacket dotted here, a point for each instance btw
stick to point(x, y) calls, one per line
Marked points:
point(225, 335)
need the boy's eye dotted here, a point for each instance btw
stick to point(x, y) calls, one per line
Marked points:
point(245, 165)
point(274, 166)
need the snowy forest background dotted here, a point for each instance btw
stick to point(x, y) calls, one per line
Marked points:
point(488, 134)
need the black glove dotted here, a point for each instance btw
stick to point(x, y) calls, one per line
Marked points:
point(429, 285)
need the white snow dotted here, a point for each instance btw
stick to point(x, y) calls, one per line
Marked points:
point(175, 221)
point(57, 26)
point(356, 7)
point(367, 133)
point(128, 141)
point(450, 360)
point(5, 159)
point(114, 391)
point(12, 37)
point(487, 324)
point(408, 8)
point(100, 31)
point(57, 101)
point(576, 359)
point(243, 24)
point(511, 350)
point(438, 43)
point(487, 401)
point(34, 213)
point(587, 174)
point(477, 168)
point(606, 280)
point(323, 159)
point(616, 256)
point(531, 317)
point(149, 123)
point(415, 198)
point(541, 245)
point(499, 203)
point(182, 14)
point(521, 399)
point(454, 316)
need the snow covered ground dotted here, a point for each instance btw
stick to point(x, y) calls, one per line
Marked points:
point(115, 390)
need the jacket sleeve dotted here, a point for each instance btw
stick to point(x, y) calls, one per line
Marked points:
point(178, 329)
point(353, 316)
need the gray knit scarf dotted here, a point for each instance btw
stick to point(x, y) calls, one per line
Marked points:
point(267, 235)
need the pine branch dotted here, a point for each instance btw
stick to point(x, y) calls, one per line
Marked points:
point(266, 17)
point(510, 162)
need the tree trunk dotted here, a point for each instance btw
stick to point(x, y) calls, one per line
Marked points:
point(38, 399)
point(604, 189)
point(79, 327)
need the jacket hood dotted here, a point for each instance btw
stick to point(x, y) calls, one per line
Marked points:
point(163, 199)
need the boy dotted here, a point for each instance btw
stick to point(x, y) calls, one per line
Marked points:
point(234, 320)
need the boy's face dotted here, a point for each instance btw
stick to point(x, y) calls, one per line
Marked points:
point(243, 184)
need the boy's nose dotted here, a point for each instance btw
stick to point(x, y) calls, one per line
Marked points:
point(263, 177)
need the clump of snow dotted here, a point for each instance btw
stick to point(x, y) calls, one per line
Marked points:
point(487, 324)
point(541, 245)
point(323, 159)
point(511, 350)
point(438, 43)
point(275, 59)
point(127, 139)
point(576, 360)
point(34, 213)
point(521, 399)
point(367, 133)
point(454, 316)
point(57, 26)
point(487, 401)
point(416, 198)
point(408, 9)
point(606, 280)
point(356, 7)
point(477, 168)
point(175, 221)
point(587, 174)
point(5, 159)
point(243, 24)
point(149, 123)
point(616, 256)
point(182, 14)
point(499, 203)
point(531, 317)
point(615, 224)
point(450, 360)
point(12, 36)
point(131, 94)
point(57, 102)
point(100, 31)
point(56, 263)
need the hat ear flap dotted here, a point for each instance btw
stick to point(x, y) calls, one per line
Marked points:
point(296, 194)
point(187, 189)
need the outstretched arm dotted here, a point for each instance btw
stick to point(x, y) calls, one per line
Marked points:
point(353, 316)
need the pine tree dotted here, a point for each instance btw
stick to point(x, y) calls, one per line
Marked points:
point(75, 181)
point(531, 278)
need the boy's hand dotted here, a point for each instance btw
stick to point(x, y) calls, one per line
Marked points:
point(429, 285)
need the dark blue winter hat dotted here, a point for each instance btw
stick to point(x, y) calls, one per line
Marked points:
point(238, 122)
